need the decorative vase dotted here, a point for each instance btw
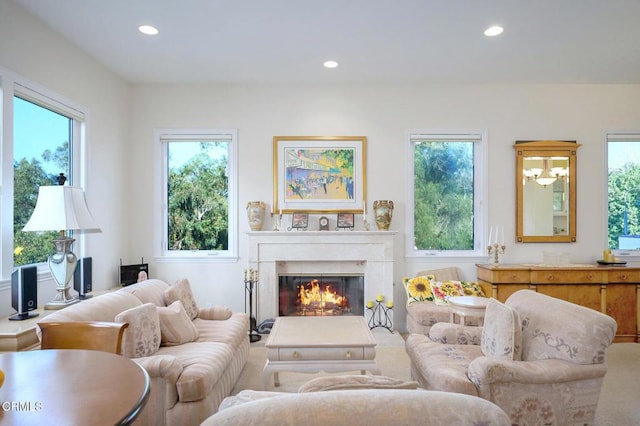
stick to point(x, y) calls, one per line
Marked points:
point(383, 210)
point(255, 214)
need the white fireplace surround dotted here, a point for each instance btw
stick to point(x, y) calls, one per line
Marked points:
point(273, 253)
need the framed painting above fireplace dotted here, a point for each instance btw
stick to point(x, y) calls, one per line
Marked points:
point(319, 174)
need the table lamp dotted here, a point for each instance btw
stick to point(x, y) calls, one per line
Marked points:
point(61, 208)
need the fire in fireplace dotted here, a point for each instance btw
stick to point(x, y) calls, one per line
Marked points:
point(321, 295)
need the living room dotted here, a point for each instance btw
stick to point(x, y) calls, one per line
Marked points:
point(121, 162)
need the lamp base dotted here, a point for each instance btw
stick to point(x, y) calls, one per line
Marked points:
point(62, 300)
point(62, 265)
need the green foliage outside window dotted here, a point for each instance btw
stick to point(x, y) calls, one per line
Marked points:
point(198, 193)
point(624, 200)
point(443, 194)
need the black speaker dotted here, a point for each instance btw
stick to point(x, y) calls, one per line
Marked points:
point(82, 278)
point(24, 292)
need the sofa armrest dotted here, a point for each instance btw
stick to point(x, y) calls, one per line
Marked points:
point(455, 334)
point(165, 366)
point(485, 372)
point(215, 313)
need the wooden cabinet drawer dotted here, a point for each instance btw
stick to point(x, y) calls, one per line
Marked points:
point(504, 276)
point(318, 354)
point(623, 275)
point(567, 277)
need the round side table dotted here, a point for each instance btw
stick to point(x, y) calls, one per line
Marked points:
point(467, 306)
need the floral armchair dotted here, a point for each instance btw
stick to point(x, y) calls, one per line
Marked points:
point(540, 359)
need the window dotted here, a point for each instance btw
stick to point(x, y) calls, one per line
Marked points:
point(41, 138)
point(445, 194)
point(199, 187)
point(623, 192)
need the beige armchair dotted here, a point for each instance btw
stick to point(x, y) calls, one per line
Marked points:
point(540, 359)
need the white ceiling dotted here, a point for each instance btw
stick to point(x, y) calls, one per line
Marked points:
point(432, 41)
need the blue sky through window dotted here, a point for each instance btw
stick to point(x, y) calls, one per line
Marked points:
point(37, 129)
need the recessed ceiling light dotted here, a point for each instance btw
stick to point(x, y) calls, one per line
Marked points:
point(330, 64)
point(493, 31)
point(148, 29)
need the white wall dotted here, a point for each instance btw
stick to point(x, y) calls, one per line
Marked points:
point(383, 113)
point(34, 52)
point(122, 118)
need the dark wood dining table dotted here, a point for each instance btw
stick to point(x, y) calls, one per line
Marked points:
point(71, 387)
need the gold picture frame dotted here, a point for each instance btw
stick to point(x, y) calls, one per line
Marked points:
point(319, 174)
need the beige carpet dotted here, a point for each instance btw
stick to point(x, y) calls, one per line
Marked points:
point(619, 399)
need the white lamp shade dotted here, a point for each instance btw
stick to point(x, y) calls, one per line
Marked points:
point(61, 208)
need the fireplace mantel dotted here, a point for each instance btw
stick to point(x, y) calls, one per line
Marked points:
point(367, 252)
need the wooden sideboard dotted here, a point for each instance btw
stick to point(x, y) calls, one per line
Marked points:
point(611, 290)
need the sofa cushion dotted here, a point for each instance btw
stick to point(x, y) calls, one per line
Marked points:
point(215, 313)
point(418, 289)
point(502, 333)
point(442, 367)
point(176, 327)
point(203, 363)
point(181, 290)
point(142, 337)
point(443, 290)
point(232, 331)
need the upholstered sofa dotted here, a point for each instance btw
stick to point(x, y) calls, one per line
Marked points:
point(541, 359)
point(354, 407)
point(422, 310)
point(193, 355)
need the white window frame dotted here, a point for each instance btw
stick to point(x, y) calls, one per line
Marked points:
point(480, 226)
point(161, 137)
point(614, 136)
point(12, 85)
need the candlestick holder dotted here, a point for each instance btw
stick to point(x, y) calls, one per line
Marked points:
point(380, 315)
point(250, 282)
point(277, 222)
point(496, 250)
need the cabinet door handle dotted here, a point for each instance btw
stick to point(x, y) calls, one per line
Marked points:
point(550, 277)
point(623, 277)
point(296, 354)
point(348, 355)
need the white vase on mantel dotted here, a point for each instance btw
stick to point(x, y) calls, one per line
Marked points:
point(255, 213)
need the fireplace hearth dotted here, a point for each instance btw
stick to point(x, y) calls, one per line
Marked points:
point(320, 295)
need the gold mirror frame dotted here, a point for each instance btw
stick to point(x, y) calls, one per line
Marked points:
point(546, 150)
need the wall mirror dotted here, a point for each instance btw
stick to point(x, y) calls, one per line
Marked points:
point(546, 191)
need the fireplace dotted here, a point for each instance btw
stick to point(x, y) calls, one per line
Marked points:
point(354, 253)
point(320, 295)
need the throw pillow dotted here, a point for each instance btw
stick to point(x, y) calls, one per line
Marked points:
point(418, 289)
point(502, 333)
point(472, 289)
point(442, 291)
point(142, 337)
point(181, 290)
point(176, 327)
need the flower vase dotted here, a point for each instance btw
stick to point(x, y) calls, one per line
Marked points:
point(383, 210)
point(255, 213)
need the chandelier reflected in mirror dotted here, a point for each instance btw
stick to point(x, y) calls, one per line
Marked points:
point(545, 175)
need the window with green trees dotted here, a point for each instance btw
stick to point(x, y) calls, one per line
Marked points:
point(623, 191)
point(41, 150)
point(199, 219)
point(444, 216)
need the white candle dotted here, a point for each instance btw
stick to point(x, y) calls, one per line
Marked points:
point(503, 235)
point(364, 208)
point(490, 232)
point(280, 212)
point(495, 241)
